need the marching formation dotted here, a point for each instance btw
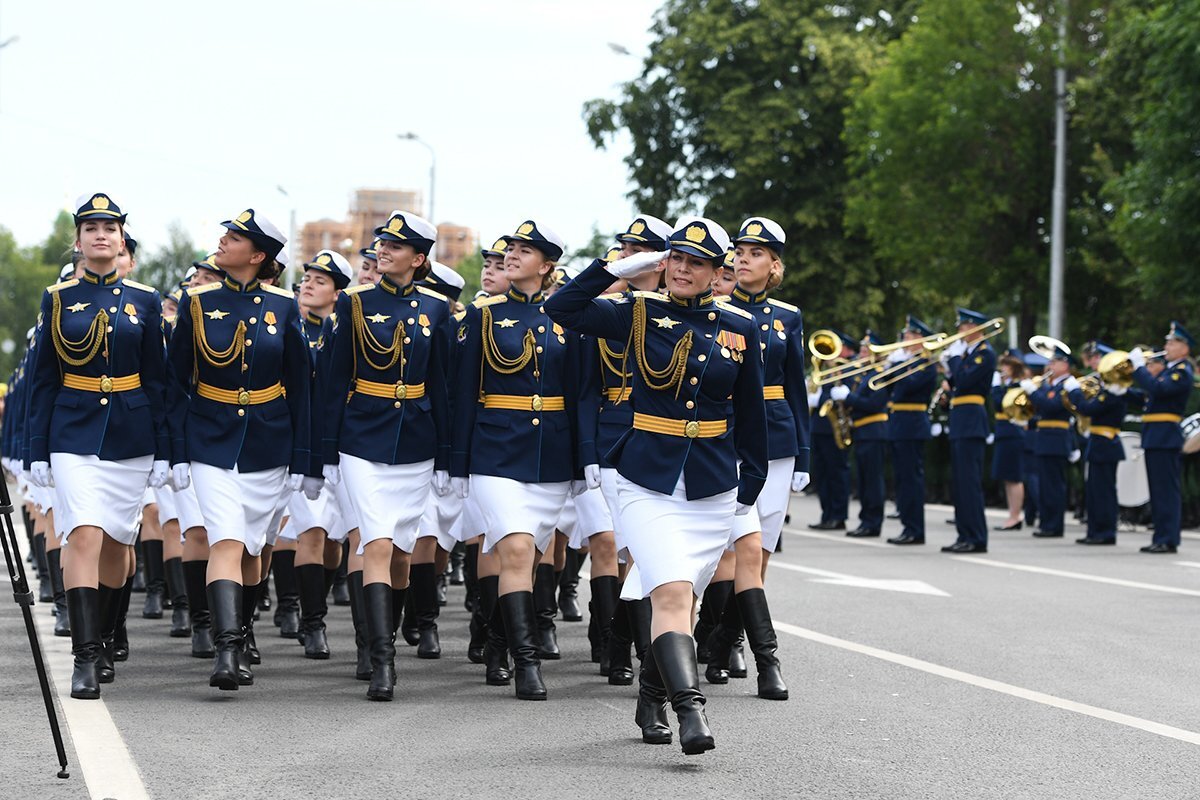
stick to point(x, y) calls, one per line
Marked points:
point(653, 412)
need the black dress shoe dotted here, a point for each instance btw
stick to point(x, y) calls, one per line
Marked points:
point(964, 547)
point(1159, 548)
point(1016, 526)
point(863, 533)
point(906, 539)
point(894, 515)
point(951, 521)
point(1048, 534)
point(830, 525)
point(1089, 540)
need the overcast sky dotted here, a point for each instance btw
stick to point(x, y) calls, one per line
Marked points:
point(195, 111)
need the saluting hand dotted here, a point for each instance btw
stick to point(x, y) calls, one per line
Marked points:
point(636, 264)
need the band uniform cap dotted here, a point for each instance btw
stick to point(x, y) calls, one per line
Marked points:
point(131, 244)
point(370, 250)
point(444, 280)
point(1060, 354)
point(1097, 348)
point(541, 237)
point(968, 317)
point(66, 272)
point(846, 338)
point(1179, 332)
point(333, 264)
point(870, 337)
point(701, 237)
point(265, 235)
point(1035, 361)
point(97, 206)
point(915, 325)
point(409, 228)
point(646, 229)
point(497, 249)
point(760, 230)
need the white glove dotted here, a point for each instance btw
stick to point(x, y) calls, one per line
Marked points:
point(996, 380)
point(180, 479)
point(1071, 384)
point(991, 439)
point(1074, 456)
point(577, 488)
point(441, 482)
point(800, 480)
point(1115, 388)
point(311, 487)
point(591, 474)
point(634, 265)
point(159, 472)
point(814, 400)
point(956, 349)
point(39, 474)
point(839, 393)
point(461, 487)
point(1028, 386)
point(332, 473)
point(935, 429)
point(741, 510)
point(896, 356)
point(294, 481)
point(1137, 358)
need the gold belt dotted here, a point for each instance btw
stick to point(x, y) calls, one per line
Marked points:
point(691, 429)
point(1161, 418)
point(1056, 424)
point(618, 395)
point(871, 420)
point(104, 383)
point(773, 393)
point(967, 400)
point(1105, 431)
point(520, 402)
point(908, 407)
point(239, 397)
point(391, 391)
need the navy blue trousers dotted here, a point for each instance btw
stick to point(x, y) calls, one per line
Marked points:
point(908, 471)
point(833, 486)
point(1163, 470)
point(967, 457)
point(1032, 487)
point(1052, 480)
point(868, 462)
point(1102, 500)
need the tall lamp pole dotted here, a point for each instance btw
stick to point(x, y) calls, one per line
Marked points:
point(1058, 211)
point(289, 277)
point(412, 137)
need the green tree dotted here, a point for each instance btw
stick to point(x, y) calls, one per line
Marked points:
point(23, 277)
point(166, 266)
point(469, 268)
point(60, 243)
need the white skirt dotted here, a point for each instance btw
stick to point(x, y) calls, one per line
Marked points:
point(346, 514)
point(388, 499)
point(168, 510)
point(608, 486)
point(107, 494)
point(324, 513)
point(473, 523)
point(770, 508)
point(591, 517)
point(442, 519)
point(288, 532)
point(42, 497)
point(239, 506)
point(510, 506)
point(672, 538)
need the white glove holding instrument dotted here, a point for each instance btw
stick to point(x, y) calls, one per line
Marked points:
point(180, 476)
point(990, 439)
point(461, 487)
point(814, 400)
point(1137, 358)
point(839, 393)
point(636, 264)
point(956, 349)
point(1115, 388)
point(332, 473)
point(1071, 384)
point(996, 380)
point(1074, 456)
point(1028, 386)
point(591, 474)
point(159, 472)
point(800, 480)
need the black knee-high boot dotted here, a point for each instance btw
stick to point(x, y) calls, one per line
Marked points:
point(83, 607)
point(287, 593)
point(362, 666)
point(760, 633)
point(195, 574)
point(120, 649)
point(721, 642)
point(675, 655)
point(520, 624)
point(62, 618)
point(568, 586)
point(422, 585)
point(478, 629)
point(225, 602)
point(248, 654)
point(458, 557)
point(41, 564)
point(471, 576)
point(400, 602)
point(495, 651)
point(544, 584)
point(110, 608)
point(651, 714)
point(313, 608)
point(712, 605)
point(409, 628)
point(380, 630)
point(620, 639)
point(139, 568)
point(177, 589)
point(604, 602)
point(156, 583)
point(640, 615)
point(341, 579)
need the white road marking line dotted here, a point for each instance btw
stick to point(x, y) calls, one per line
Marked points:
point(844, 539)
point(1157, 728)
point(1080, 576)
point(1187, 563)
point(857, 581)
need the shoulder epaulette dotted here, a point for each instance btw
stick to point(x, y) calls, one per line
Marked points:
point(58, 287)
point(432, 293)
point(726, 306)
point(650, 295)
point(208, 287)
point(266, 287)
point(362, 287)
point(490, 301)
point(136, 285)
point(781, 304)
point(460, 316)
point(612, 296)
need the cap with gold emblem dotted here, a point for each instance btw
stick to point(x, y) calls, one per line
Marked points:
point(408, 228)
point(66, 272)
point(699, 236)
point(760, 230)
point(260, 230)
point(646, 229)
point(497, 249)
point(209, 263)
point(333, 264)
point(97, 206)
point(369, 251)
point(444, 280)
point(540, 237)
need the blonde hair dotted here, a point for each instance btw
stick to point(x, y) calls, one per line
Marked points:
point(550, 277)
point(775, 277)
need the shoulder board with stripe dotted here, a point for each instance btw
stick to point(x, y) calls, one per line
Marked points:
point(490, 301)
point(208, 287)
point(781, 304)
point(136, 285)
point(432, 293)
point(362, 287)
point(612, 296)
point(460, 316)
point(275, 290)
point(732, 309)
point(650, 296)
point(58, 287)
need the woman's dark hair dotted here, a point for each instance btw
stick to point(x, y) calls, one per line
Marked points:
point(1015, 365)
point(422, 272)
point(269, 269)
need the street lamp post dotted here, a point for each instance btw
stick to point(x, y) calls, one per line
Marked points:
point(412, 137)
point(289, 277)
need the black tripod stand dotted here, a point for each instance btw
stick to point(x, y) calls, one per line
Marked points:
point(24, 598)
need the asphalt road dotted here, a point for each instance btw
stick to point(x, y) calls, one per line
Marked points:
point(1040, 670)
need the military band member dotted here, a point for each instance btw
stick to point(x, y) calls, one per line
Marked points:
point(830, 463)
point(1055, 443)
point(1106, 410)
point(969, 364)
point(241, 434)
point(678, 486)
point(1166, 399)
point(96, 429)
point(868, 410)
point(1008, 455)
point(908, 430)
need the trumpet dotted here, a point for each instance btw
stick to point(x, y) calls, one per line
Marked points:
point(826, 346)
point(1116, 368)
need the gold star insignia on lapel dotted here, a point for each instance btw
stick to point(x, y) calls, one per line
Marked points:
point(506, 323)
point(377, 317)
point(216, 313)
point(78, 306)
point(666, 322)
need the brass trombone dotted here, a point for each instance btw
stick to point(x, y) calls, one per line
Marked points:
point(880, 349)
point(931, 347)
point(826, 346)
